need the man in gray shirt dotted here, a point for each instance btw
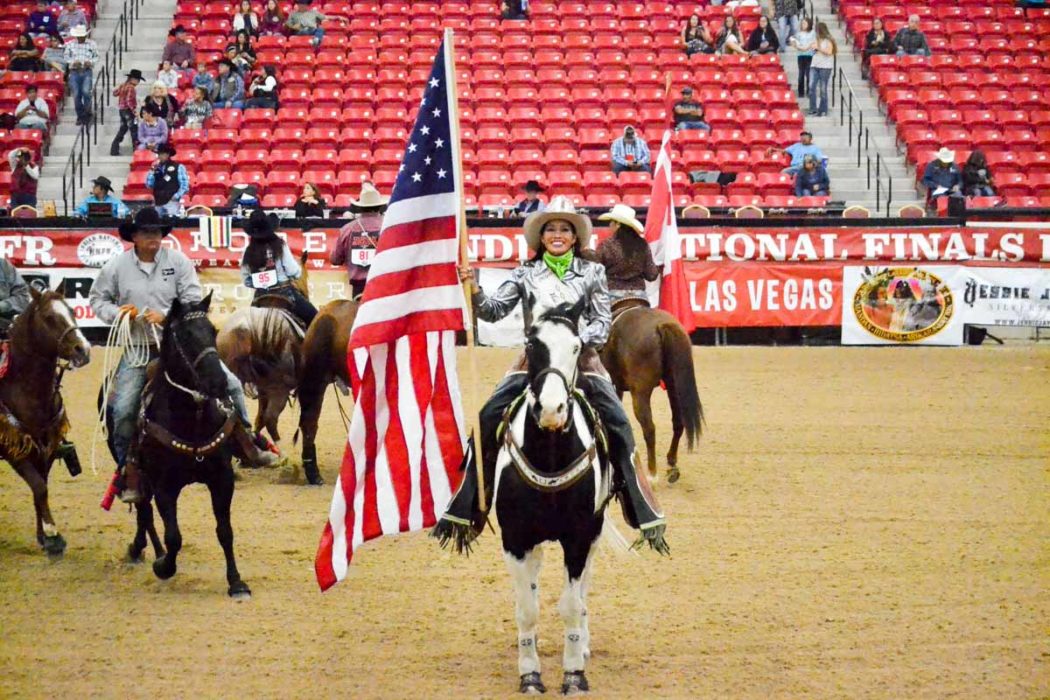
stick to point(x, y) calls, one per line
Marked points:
point(306, 22)
point(143, 282)
point(14, 295)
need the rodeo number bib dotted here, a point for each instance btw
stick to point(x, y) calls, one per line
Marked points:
point(264, 279)
point(362, 256)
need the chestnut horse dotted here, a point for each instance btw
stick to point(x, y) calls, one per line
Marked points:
point(646, 347)
point(262, 346)
point(33, 419)
point(323, 362)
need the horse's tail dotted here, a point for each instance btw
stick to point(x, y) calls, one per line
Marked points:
point(677, 355)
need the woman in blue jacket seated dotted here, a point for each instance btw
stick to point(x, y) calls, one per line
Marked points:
point(812, 180)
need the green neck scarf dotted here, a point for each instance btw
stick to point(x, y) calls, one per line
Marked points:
point(559, 264)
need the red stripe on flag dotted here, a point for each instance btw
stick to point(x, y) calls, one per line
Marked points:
point(394, 441)
point(414, 322)
point(441, 228)
point(421, 277)
point(420, 360)
point(323, 561)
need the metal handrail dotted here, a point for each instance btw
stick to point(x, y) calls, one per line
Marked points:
point(101, 96)
point(864, 143)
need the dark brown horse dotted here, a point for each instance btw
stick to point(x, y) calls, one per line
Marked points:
point(323, 362)
point(646, 347)
point(33, 420)
point(262, 346)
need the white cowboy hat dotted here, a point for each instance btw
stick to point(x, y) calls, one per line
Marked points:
point(369, 197)
point(945, 155)
point(559, 208)
point(623, 214)
point(78, 31)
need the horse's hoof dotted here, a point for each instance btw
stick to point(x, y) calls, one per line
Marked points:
point(134, 554)
point(240, 591)
point(532, 684)
point(54, 545)
point(163, 569)
point(574, 683)
point(317, 480)
point(673, 474)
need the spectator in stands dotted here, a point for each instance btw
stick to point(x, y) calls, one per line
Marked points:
point(977, 176)
point(910, 41)
point(728, 40)
point(81, 56)
point(696, 37)
point(241, 62)
point(229, 88)
point(71, 16)
point(357, 240)
point(168, 75)
point(24, 56)
point(263, 90)
point(306, 22)
point(272, 22)
point(204, 78)
point(805, 42)
point(196, 110)
point(169, 182)
point(812, 180)
point(32, 112)
point(532, 202)
point(878, 42)
point(245, 19)
point(54, 57)
point(514, 9)
point(763, 38)
point(42, 22)
point(630, 152)
point(798, 152)
point(127, 104)
point(102, 193)
point(245, 50)
point(786, 12)
point(688, 113)
point(25, 175)
point(310, 203)
point(179, 51)
point(153, 131)
point(165, 103)
point(823, 63)
point(942, 177)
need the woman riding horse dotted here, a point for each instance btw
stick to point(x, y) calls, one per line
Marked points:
point(142, 283)
point(557, 274)
point(626, 256)
point(269, 267)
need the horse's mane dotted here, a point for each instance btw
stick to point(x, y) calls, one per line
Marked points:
point(565, 314)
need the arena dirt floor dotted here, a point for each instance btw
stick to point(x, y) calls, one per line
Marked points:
point(856, 523)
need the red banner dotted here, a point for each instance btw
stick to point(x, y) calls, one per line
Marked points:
point(753, 294)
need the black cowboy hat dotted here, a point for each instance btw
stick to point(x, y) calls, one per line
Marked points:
point(145, 220)
point(167, 148)
point(103, 182)
point(261, 226)
point(135, 74)
point(533, 186)
point(178, 29)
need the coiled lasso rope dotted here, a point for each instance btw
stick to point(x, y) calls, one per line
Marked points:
point(120, 339)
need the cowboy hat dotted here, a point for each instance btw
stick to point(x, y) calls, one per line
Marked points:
point(103, 182)
point(166, 147)
point(623, 214)
point(78, 32)
point(945, 155)
point(369, 198)
point(135, 74)
point(560, 208)
point(533, 186)
point(145, 220)
point(261, 225)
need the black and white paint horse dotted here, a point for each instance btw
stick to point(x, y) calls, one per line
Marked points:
point(552, 484)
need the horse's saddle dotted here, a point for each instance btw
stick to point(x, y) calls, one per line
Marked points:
point(284, 306)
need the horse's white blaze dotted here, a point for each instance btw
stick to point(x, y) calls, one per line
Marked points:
point(553, 398)
point(526, 576)
point(61, 309)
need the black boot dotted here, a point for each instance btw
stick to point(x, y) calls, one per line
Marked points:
point(640, 509)
point(67, 452)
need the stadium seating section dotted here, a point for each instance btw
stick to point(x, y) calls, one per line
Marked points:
point(547, 95)
point(51, 85)
point(985, 86)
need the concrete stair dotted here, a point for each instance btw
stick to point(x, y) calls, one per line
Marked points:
point(848, 181)
point(149, 35)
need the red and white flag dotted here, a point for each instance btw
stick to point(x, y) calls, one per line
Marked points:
point(407, 434)
point(661, 231)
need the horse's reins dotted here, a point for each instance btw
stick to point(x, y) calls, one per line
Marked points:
point(197, 396)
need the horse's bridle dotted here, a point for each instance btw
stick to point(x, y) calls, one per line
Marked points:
point(191, 364)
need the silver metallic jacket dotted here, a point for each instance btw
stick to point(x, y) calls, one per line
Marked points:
point(539, 289)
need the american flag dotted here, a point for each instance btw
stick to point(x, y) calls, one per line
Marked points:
point(407, 435)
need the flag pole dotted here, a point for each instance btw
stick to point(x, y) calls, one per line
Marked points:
point(464, 259)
